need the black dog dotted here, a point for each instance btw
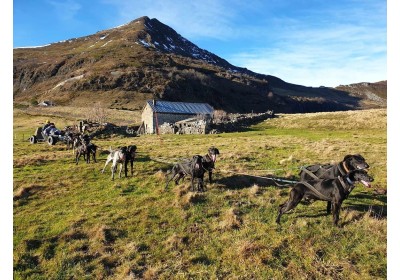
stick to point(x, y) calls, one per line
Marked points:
point(130, 157)
point(86, 150)
point(91, 150)
point(333, 190)
point(193, 167)
point(331, 171)
point(209, 161)
point(79, 151)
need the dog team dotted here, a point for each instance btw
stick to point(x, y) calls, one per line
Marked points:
point(328, 182)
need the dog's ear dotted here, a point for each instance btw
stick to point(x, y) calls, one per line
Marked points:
point(131, 148)
point(360, 157)
point(347, 157)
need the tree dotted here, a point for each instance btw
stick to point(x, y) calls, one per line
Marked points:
point(97, 114)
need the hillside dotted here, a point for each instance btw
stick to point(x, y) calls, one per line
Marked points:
point(370, 93)
point(145, 59)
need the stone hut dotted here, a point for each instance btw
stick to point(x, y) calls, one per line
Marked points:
point(157, 112)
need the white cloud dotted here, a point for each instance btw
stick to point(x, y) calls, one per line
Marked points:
point(314, 67)
point(327, 56)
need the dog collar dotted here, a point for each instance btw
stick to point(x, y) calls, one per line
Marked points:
point(350, 181)
point(349, 189)
point(345, 167)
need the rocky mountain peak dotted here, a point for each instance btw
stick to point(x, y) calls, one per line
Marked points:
point(163, 38)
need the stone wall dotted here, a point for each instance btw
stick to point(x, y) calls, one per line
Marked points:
point(185, 127)
point(239, 122)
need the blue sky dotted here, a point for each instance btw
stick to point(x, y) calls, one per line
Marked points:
point(312, 43)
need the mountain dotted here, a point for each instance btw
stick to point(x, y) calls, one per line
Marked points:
point(145, 59)
point(370, 93)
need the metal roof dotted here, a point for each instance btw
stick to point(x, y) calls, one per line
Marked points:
point(180, 107)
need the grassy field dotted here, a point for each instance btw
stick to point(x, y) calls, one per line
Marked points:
point(73, 222)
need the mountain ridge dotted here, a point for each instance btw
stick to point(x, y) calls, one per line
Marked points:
point(145, 59)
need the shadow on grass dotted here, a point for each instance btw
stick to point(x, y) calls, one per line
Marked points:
point(237, 182)
point(128, 189)
point(315, 215)
point(142, 158)
point(368, 196)
point(377, 211)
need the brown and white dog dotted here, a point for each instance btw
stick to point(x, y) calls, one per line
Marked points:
point(116, 156)
point(123, 156)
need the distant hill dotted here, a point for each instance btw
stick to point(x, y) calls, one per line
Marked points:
point(145, 59)
point(370, 93)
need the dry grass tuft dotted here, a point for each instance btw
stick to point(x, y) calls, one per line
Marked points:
point(131, 248)
point(328, 269)
point(74, 234)
point(350, 216)
point(99, 234)
point(21, 193)
point(33, 160)
point(174, 242)
point(373, 222)
point(159, 175)
point(301, 223)
point(255, 190)
point(286, 160)
point(151, 273)
point(192, 198)
point(181, 190)
point(247, 249)
point(25, 192)
point(231, 220)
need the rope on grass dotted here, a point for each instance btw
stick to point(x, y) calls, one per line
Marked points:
point(261, 177)
point(162, 160)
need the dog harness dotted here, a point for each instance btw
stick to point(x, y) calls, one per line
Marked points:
point(309, 172)
point(311, 187)
point(345, 171)
point(344, 185)
point(208, 159)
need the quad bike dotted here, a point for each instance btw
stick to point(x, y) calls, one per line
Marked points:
point(51, 139)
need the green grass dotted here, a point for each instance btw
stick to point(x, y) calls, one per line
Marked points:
point(75, 223)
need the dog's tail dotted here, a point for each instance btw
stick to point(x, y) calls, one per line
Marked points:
point(110, 150)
